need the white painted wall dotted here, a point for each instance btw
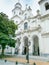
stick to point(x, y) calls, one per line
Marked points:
point(33, 23)
point(42, 7)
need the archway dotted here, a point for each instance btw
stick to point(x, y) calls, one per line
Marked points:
point(36, 51)
point(25, 45)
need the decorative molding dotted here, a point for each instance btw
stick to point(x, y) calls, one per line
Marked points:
point(45, 16)
point(30, 30)
point(40, 17)
point(15, 16)
point(33, 17)
point(45, 34)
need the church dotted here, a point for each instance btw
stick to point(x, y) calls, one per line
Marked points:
point(33, 31)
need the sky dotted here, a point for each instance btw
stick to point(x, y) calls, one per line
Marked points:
point(6, 6)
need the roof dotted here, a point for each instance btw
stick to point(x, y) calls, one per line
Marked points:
point(18, 4)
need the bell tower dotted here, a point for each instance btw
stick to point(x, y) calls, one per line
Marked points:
point(44, 7)
point(17, 8)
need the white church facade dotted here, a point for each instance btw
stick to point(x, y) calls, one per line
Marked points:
point(33, 31)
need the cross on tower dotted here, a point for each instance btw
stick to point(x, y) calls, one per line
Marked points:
point(26, 6)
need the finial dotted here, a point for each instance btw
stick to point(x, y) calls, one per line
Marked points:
point(29, 8)
point(26, 6)
point(38, 12)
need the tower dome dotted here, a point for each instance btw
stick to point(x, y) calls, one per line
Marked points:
point(18, 5)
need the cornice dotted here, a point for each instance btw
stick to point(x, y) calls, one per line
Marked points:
point(34, 17)
point(44, 16)
point(30, 30)
point(23, 21)
point(16, 8)
point(15, 16)
point(45, 34)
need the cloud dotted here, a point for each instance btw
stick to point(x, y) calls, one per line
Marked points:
point(6, 6)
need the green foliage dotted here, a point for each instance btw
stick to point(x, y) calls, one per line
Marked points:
point(7, 26)
point(11, 42)
point(7, 31)
point(3, 39)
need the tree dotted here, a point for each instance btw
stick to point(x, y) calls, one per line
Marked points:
point(7, 31)
point(3, 41)
point(11, 43)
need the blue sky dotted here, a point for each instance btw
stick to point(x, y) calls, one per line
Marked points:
point(6, 6)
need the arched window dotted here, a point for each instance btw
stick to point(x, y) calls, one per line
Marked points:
point(25, 25)
point(47, 6)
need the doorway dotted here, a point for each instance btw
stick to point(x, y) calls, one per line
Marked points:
point(36, 51)
point(25, 45)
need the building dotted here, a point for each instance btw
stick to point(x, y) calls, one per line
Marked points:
point(33, 31)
